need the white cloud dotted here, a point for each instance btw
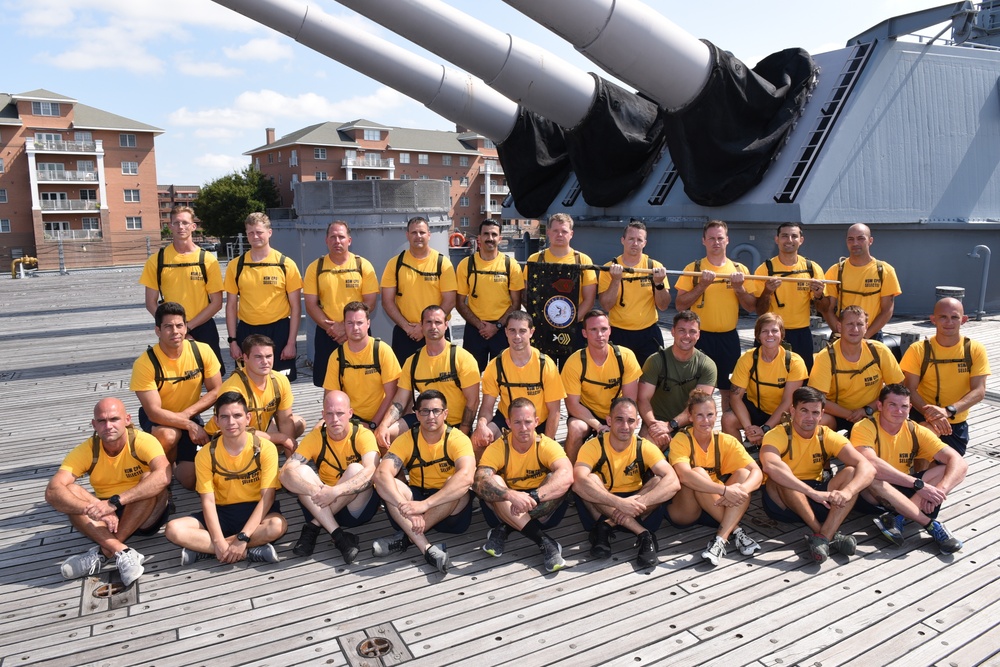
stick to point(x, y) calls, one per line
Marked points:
point(188, 66)
point(217, 133)
point(267, 50)
point(221, 163)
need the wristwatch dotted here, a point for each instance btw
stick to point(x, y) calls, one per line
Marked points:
point(659, 286)
point(674, 426)
point(869, 410)
point(534, 495)
point(242, 537)
point(765, 428)
point(231, 339)
point(951, 411)
point(918, 484)
point(116, 502)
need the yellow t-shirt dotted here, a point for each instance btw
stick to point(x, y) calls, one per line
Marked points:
point(264, 287)
point(517, 382)
point(635, 305)
point(620, 471)
point(770, 375)
point(861, 286)
point(435, 463)
point(182, 380)
point(523, 472)
point(437, 373)
point(897, 450)
point(593, 390)
point(724, 456)
point(488, 286)
point(363, 381)
point(572, 257)
point(856, 384)
point(113, 474)
point(805, 457)
point(795, 297)
point(421, 283)
point(338, 454)
point(338, 285)
point(184, 284)
point(262, 403)
point(948, 377)
point(718, 307)
point(237, 479)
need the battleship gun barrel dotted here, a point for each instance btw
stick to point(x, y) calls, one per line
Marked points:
point(454, 95)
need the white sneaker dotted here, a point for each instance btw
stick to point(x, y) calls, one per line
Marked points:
point(83, 565)
point(129, 565)
point(715, 551)
point(746, 544)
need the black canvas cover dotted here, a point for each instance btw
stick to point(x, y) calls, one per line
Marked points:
point(535, 163)
point(723, 141)
point(553, 292)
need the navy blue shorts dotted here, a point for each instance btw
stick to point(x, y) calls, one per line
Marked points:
point(757, 416)
point(481, 349)
point(208, 334)
point(323, 348)
point(788, 516)
point(801, 341)
point(643, 342)
point(347, 520)
point(866, 507)
point(553, 519)
point(650, 523)
point(724, 349)
point(458, 523)
point(186, 449)
point(278, 332)
point(233, 517)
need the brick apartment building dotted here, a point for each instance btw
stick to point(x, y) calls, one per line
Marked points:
point(75, 176)
point(169, 196)
point(362, 149)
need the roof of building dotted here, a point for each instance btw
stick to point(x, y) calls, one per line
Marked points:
point(84, 117)
point(400, 138)
point(42, 94)
point(8, 111)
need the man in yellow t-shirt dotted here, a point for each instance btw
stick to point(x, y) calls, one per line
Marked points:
point(167, 379)
point(237, 480)
point(331, 282)
point(440, 466)
point(522, 481)
point(593, 377)
point(186, 274)
point(946, 375)
point(341, 494)
point(799, 490)
point(489, 289)
point(633, 301)
point(129, 474)
point(264, 291)
point(414, 279)
point(611, 486)
point(364, 368)
point(893, 443)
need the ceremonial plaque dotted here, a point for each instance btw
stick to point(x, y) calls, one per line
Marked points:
point(553, 290)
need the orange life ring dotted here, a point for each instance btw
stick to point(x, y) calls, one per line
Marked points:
point(456, 240)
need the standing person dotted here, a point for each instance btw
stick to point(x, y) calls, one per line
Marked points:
point(440, 467)
point(167, 379)
point(946, 375)
point(237, 480)
point(613, 488)
point(717, 476)
point(718, 303)
point(333, 281)
point(798, 489)
point(129, 474)
point(489, 289)
point(792, 300)
point(633, 301)
point(414, 279)
point(186, 274)
point(264, 291)
point(559, 231)
point(862, 281)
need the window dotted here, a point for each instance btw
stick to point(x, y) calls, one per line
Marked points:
point(373, 178)
point(270, 158)
point(132, 195)
point(45, 108)
point(126, 140)
point(293, 159)
point(45, 137)
point(85, 165)
point(89, 195)
point(5, 227)
point(463, 181)
point(279, 157)
point(3, 195)
point(422, 158)
point(404, 158)
point(351, 155)
point(54, 171)
point(463, 200)
point(463, 161)
point(130, 168)
point(83, 137)
point(1, 165)
point(292, 181)
point(256, 163)
point(465, 221)
point(92, 224)
point(423, 177)
point(446, 160)
point(133, 222)
point(373, 135)
point(321, 176)
point(448, 178)
point(319, 153)
point(488, 143)
point(404, 177)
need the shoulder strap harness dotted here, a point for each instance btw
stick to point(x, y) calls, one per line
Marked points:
point(160, 379)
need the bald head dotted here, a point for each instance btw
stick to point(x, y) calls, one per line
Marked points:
point(948, 304)
point(111, 421)
point(336, 398)
point(109, 404)
point(337, 414)
point(948, 318)
point(859, 240)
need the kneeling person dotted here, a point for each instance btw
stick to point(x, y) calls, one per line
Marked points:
point(892, 443)
point(441, 466)
point(523, 478)
point(129, 474)
point(794, 458)
point(609, 483)
point(237, 477)
point(345, 456)
point(717, 476)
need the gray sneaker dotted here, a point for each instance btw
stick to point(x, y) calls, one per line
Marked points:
point(265, 553)
point(129, 563)
point(190, 557)
point(746, 544)
point(83, 565)
point(437, 556)
point(845, 544)
point(394, 545)
point(715, 551)
point(553, 554)
point(495, 540)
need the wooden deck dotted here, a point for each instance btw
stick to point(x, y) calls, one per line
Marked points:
point(70, 340)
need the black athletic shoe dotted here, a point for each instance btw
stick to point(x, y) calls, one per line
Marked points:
point(646, 554)
point(307, 540)
point(348, 546)
point(600, 540)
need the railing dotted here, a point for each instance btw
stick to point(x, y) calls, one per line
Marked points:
point(71, 205)
point(497, 210)
point(490, 168)
point(47, 175)
point(73, 235)
point(368, 163)
point(494, 189)
point(69, 146)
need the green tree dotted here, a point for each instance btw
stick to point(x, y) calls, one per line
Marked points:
point(224, 204)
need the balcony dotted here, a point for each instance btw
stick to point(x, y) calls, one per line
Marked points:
point(495, 209)
point(66, 146)
point(490, 168)
point(368, 163)
point(70, 205)
point(74, 176)
point(494, 189)
point(73, 235)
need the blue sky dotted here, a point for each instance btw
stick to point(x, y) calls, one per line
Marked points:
point(214, 80)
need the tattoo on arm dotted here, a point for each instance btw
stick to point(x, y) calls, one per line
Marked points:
point(484, 486)
point(545, 508)
point(395, 410)
point(301, 459)
point(468, 417)
point(394, 461)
